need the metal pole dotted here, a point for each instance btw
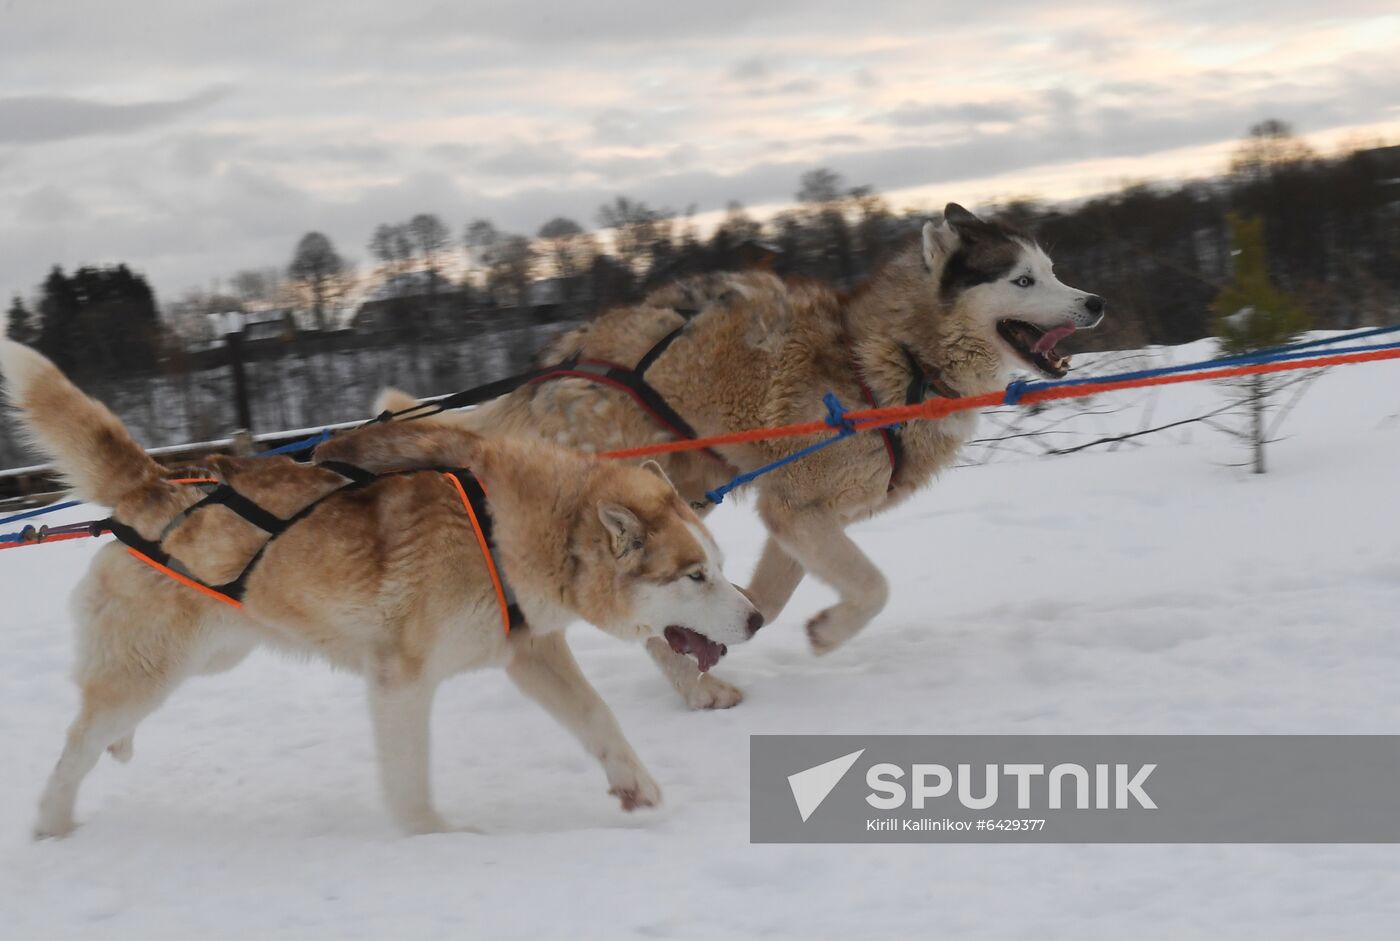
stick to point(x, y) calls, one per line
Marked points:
point(233, 344)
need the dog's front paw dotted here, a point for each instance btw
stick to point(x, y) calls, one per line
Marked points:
point(53, 829)
point(832, 628)
point(122, 749)
point(635, 789)
point(418, 824)
point(711, 692)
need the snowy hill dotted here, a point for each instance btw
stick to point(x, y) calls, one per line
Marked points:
point(1151, 588)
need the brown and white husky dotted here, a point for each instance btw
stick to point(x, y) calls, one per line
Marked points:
point(387, 580)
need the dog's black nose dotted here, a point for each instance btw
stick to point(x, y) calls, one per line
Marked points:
point(1094, 304)
point(755, 622)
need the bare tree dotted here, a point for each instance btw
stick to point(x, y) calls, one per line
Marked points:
point(819, 187)
point(256, 286)
point(382, 244)
point(482, 240)
point(874, 226)
point(739, 225)
point(637, 229)
point(1269, 145)
point(823, 197)
point(512, 268)
point(569, 249)
point(402, 247)
point(317, 266)
point(193, 315)
point(736, 229)
point(430, 237)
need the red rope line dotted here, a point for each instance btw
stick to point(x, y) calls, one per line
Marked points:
point(57, 537)
point(935, 409)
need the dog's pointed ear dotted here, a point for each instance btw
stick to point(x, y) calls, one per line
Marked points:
point(652, 467)
point(622, 525)
point(940, 241)
point(967, 226)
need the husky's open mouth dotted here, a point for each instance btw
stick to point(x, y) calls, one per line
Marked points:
point(705, 651)
point(1037, 346)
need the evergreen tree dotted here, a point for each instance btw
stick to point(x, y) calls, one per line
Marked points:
point(99, 319)
point(1253, 314)
point(59, 310)
point(20, 323)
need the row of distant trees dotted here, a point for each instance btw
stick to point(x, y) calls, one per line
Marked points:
point(834, 230)
point(420, 265)
point(1160, 253)
point(1330, 228)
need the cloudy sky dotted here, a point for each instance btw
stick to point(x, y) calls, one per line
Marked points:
point(192, 139)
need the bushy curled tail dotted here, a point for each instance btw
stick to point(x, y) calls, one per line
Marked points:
point(90, 447)
point(395, 446)
point(482, 419)
point(393, 400)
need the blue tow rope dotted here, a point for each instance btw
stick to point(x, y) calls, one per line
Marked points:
point(1015, 391)
point(1275, 354)
point(293, 447)
point(835, 417)
point(51, 508)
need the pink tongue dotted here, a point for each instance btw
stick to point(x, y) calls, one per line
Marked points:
point(1053, 336)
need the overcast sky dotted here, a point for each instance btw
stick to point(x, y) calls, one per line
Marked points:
point(192, 138)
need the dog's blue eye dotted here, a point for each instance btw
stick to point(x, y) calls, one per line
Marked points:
point(696, 576)
point(1024, 281)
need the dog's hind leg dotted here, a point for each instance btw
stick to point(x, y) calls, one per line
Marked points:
point(219, 658)
point(107, 717)
point(699, 690)
point(400, 703)
point(774, 580)
point(128, 662)
point(817, 539)
point(99, 724)
point(545, 670)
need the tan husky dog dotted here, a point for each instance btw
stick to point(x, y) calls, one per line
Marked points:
point(389, 581)
point(955, 312)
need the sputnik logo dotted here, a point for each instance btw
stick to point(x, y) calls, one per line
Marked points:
point(811, 787)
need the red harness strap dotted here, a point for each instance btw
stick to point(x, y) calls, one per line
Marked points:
point(633, 381)
point(894, 447)
point(615, 376)
point(922, 382)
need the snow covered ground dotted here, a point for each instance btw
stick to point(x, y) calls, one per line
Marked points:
point(1148, 589)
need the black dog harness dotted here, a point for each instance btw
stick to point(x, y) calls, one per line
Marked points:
point(922, 382)
point(473, 497)
point(630, 380)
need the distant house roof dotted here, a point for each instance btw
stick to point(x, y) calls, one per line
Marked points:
point(270, 325)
